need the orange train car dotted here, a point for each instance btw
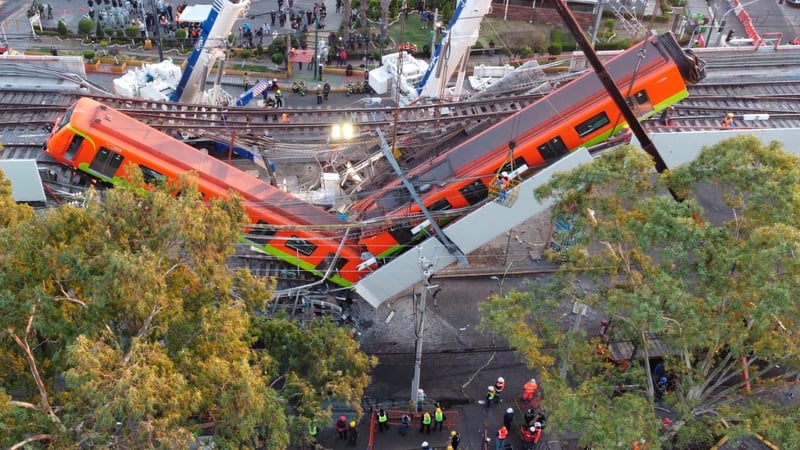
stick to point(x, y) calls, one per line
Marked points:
point(652, 75)
point(103, 142)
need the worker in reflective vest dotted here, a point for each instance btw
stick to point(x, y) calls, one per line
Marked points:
point(490, 395)
point(529, 390)
point(438, 417)
point(383, 420)
point(426, 423)
point(502, 433)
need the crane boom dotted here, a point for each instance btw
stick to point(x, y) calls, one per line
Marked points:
point(209, 48)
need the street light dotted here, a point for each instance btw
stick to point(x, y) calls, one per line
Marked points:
point(342, 131)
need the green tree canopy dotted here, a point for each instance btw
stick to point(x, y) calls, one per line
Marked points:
point(715, 285)
point(122, 326)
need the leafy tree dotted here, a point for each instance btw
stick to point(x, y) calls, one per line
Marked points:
point(122, 326)
point(716, 286)
point(181, 34)
point(86, 26)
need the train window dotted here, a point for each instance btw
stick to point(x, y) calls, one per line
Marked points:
point(323, 266)
point(640, 103)
point(106, 162)
point(151, 176)
point(595, 123)
point(510, 167)
point(66, 118)
point(401, 233)
point(301, 245)
point(261, 234)
point(475, 192)
point(441, 205)
point(74, 146)
point(553, 149)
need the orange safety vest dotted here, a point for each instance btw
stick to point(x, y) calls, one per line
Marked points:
point(502, 433)
point(529, 388)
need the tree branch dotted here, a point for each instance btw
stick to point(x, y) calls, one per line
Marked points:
point(38, 437)
point(68, 297)
point(24, 405)
point(26, 349)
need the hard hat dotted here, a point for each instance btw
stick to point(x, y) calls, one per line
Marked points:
point(730, 114)
point(504, 174)
point(343, 418)
point(438, 410)
point(353, 423)
point(491, 388)
point(533, 429)
point(449, 447)
point(319, 85)
point(279, 91)
point(453, 433)
point(510, 410)
point(537, 425)
point(420, 391)
point(501, 380)
point(533, 380)
point(275, 79)
point(424, 443)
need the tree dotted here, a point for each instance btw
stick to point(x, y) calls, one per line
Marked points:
point(125, 316)
point(715, 285)
point(180, 35)
point(86, 26)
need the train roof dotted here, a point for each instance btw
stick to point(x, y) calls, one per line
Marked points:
point(143, 138)
point(651, 52)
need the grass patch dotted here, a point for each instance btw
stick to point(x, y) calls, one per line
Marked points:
point(411, 33)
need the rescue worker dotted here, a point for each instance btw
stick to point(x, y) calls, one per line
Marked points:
point(405, 421)
point(537, 432)
point(728, 121)
point(341, 427)
point(326, 89)
point(246, 81)
point(502, 187)
point(426, 423)
point(490, 396)
point(319, 94)
point(278, 98)
point(352, 434)
point(455, 439)
point(502, 434)
point(529, 416)
point(425, 445)
point(438, 418)
point(383, 420)
point(529, 390)
point(508, 418)
point(528, 436)
point(499, 385)
point(312, 433)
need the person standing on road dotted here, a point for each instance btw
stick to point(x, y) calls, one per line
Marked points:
point(326, 89)
point(278, 99)
point(491, 395)
point(438, 418)
point(319, 94)
point(426, 423)
point(352, 434)
point(499, 385)
point(341, 427)
point(502, 434)
point(508, 418)
point(383, 420)
point(529, 390)
point(420, 399)
point(405, 421)
point(246, 81)
point(455, 439)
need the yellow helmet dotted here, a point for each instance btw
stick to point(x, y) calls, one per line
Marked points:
point(353, 424)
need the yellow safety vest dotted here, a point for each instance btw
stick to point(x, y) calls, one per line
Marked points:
point(382, 417)
point(439, 415)
point(426, 419)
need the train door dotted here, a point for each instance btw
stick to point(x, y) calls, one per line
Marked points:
point(106, 162)
point(640, 104)
point(553, 149)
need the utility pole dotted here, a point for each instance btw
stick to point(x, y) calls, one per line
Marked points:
point(419, 321)
point(158, 30)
